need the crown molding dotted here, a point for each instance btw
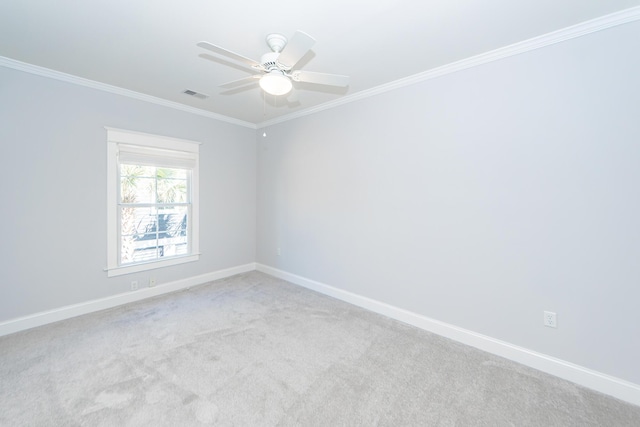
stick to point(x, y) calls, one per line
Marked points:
point(68, 78)
point(578, 30)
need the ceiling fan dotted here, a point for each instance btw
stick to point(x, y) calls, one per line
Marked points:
point(275, 72)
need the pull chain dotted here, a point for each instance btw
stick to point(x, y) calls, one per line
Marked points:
point(264, 112)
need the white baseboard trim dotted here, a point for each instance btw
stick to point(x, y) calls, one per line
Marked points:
point(62, 313)
point(616, 387)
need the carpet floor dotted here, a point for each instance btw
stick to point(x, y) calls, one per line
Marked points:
point(253, 350)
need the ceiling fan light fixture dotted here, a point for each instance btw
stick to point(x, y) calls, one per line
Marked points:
point(276, 83)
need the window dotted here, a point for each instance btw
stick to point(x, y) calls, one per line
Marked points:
point(152, 201)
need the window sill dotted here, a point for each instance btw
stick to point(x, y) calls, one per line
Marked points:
point(128, 269)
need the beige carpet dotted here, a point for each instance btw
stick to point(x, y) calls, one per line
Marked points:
point(253, 350)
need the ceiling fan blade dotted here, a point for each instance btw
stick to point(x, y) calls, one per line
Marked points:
point(222, 51)
point(295, 49)
point(229, 63)
point(241, 82)
point(320, 78)
point(238, 90)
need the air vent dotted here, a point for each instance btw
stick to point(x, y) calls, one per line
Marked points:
point(195, 94)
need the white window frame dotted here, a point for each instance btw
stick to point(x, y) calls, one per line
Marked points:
point(117, 138)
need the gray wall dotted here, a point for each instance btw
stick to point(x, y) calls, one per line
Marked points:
point(53, 191)
point(480, 199)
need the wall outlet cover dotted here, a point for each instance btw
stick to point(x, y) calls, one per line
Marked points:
point(550, 319)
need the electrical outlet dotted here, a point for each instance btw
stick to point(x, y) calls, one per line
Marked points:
point(279, 252)
point(550, 319)
point(134, 285)
point(152, 282)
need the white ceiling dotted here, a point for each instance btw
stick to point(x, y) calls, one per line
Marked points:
point(149, 46)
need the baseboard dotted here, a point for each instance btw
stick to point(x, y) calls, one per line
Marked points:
point(50, 316)
point(594, 380)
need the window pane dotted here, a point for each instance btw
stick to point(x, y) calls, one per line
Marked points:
point(172, 221)
point(172, 231)
point(137, 184)
point(145, 253)
point(138, 190)
point(138, 233)
point(171, 185)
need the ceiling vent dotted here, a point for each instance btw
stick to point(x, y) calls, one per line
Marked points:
point(195, 94)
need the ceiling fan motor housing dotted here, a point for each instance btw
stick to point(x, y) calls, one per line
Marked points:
point(268, 61)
